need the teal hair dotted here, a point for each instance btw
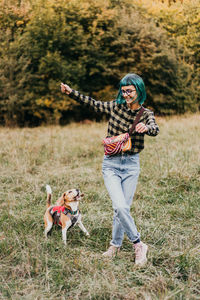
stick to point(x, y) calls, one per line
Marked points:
point(132, 79)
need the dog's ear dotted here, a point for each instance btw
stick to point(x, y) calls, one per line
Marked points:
point(63, 198)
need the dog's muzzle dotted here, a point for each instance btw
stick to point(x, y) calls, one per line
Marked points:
point(78, 196)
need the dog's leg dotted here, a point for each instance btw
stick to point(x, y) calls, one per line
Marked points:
point(81, 226)
point(48, 224)
point(65, 226)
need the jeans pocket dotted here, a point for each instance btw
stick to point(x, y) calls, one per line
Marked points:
point(108, 156)
point(134, 157)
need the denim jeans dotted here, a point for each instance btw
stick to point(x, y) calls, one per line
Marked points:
point(120, 175)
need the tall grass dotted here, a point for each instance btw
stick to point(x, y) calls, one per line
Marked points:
point(165, 208)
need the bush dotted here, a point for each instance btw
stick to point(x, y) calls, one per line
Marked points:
point(91, 46)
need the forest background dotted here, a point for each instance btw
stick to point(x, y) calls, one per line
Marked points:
point(91, 45)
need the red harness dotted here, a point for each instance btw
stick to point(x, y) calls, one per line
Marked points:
point(58, 209)
point(56, 212)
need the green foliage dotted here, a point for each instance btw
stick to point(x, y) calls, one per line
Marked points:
point(181, 21)
point(91, 45)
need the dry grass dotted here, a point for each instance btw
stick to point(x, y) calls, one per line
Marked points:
point(166, 210)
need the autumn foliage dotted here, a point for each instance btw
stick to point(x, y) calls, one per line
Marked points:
point(91, 45)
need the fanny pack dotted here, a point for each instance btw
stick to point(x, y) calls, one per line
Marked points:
point(122, 142)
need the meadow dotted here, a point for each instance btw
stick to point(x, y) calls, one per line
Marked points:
point(165, 207)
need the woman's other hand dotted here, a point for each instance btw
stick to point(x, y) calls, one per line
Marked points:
point(65, 88)
point(141, 128)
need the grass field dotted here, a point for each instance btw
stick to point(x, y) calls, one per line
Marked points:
point(166, 210)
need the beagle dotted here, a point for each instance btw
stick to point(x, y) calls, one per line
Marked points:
point(64, 213)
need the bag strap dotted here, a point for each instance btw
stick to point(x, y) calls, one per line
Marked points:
point(142, 109)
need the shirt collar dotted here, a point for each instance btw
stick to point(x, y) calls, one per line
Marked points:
point(130, 110)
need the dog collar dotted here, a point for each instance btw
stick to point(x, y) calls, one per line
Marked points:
point(67, 210)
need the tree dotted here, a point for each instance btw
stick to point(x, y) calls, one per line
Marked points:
point(91, 45)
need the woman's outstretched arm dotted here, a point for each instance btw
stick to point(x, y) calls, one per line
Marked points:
point(99, 106)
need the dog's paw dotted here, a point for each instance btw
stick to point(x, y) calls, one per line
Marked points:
point(87, 233)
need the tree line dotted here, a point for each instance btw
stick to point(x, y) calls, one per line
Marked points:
point(91, 45)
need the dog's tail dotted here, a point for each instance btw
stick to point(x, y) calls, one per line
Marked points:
point(49, 193)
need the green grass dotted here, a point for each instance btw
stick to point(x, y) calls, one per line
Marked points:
point(165, 208)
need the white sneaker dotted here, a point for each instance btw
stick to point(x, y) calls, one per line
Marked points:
point(111, 252)
point(140, 253)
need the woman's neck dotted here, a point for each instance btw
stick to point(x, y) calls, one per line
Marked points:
point(134, 106)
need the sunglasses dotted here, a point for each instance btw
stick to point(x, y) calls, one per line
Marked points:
point(128, 92)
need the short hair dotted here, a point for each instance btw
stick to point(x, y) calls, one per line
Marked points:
point(137, 81)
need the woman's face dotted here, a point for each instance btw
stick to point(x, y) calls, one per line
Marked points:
point(129, 93)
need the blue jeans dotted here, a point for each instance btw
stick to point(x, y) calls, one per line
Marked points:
point(120, 175)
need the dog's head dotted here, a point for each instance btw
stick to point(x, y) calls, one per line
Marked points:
point(73, 195)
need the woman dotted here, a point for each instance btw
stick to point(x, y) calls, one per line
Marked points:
point(121, 171)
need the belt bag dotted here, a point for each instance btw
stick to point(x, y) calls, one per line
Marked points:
point(121, 142)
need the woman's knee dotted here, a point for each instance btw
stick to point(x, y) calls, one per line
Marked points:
point(121, 210)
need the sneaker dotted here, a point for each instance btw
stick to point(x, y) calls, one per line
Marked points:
point(111, 252)
point(140, 253)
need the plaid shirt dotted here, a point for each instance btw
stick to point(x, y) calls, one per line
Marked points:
point(121, 118)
